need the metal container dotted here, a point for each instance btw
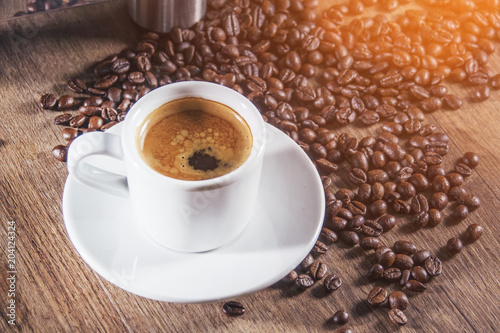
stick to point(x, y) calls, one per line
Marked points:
point(163, 15)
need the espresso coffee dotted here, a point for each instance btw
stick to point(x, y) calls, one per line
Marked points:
point(194, 139)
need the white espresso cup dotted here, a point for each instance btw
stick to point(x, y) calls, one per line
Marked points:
point(183, 215)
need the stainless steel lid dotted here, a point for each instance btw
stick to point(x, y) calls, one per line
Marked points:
point(163, 15)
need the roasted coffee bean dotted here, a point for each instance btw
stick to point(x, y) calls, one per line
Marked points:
point(307, 262)
point(120, 66)
point(432, 158)
point(392, 274)
point(60, 152)
point(398, 300)
point(340, 317)
point(456, 192)
point(440, 184)
point(378, 159)
point(377, 191)
point(419, 204)
point(471, 201)
point(357, 176)
point(319, 248)
point(95, 122)
point(433, 266)
point(403, 261)
point(356, 208)
point(387, 259)
point(460, 213)
point(401, 206)
point(377, 208)
point(414, 285)
point(377, 296)
point(376, 176)
point(406, 189)
point(318, 270)
point(393, 128)
point(438, 200)
point(482, 92)
point(328, 235)
point(338, 223)
point(355, 223)
point(380, 251)
point(455, 179)
point(420, 274)
point(63, 119)
point(96, 92)
point(452, 102)
point(79, 120)
point(350, 238)
point(304, 281)
point(372, 229)
point(435, 217)
point(291, 277)
point(463, 169)
point(106, 82)
point(387, 222)
point(404, 247)
point(77, 85)
point(93, 101)
point(454, 245)
point(233, 308)
point(421, 219)
point(470, 159)
point(359, 161)
point(48, 101)
point(326, 166)
point(420, 256)
point(69, 133)
point(369, 243)
point(396, 316)
point(376, 272)
point(473, 233)
point(405, 277)
point(332, 282)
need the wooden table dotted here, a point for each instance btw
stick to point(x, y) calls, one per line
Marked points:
point(56, 291)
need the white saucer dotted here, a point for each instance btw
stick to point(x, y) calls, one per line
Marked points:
point(286, 224)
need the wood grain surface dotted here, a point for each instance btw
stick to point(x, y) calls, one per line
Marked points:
point(56, 291)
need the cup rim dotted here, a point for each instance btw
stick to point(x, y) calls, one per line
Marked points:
point(177, 90)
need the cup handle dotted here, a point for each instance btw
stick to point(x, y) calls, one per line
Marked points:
point(97, 143)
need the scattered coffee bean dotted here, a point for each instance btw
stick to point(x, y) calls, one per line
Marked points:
point(233, 308)
point(392, 274)
point(396, 316)
point(304, 281)
point(369, 243)
point(60, 152)
point(291, 277)
point(473, 232)
point(454, 245)
point(340, 317)
point(404, 247)
point(433, 266)
point(398, 300)
point(318, 270)
point(307, 262)
point(420, 274)
point(377, 296)
point(414, 285)
point(332, 282)
point(48, 101)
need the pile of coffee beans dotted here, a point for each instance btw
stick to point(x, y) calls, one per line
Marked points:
point(36, 6)
point(314, 73)
point(405, 266)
